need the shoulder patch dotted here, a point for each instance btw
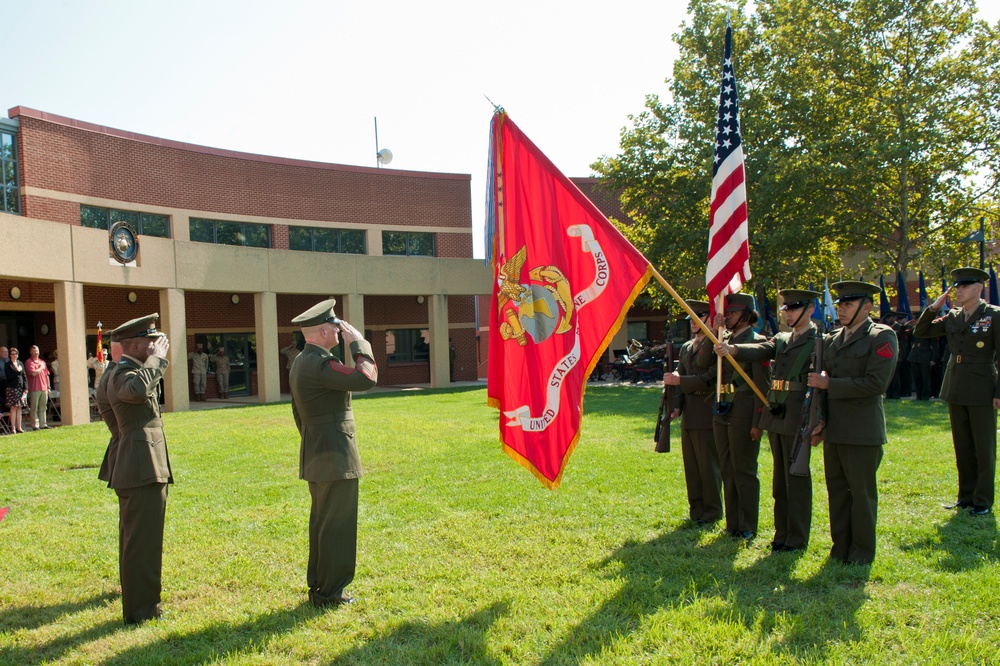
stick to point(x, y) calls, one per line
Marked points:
point(884, 350)
point(340, 367)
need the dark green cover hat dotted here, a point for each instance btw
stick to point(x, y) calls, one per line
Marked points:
point(141, 327)
point(968, 275)
point(701, 308)
point(852, 290)
point(318, 314)
point(797, 298)
point(736, 302)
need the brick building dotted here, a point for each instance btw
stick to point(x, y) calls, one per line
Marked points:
point(231, 247)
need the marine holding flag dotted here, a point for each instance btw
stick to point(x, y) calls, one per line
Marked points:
point(564, 280)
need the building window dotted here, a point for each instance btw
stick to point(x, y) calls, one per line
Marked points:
point(317, 239)
point(147, 224)
point(10, 193)
point(638, 330)
point(408, 243)
point(230, 233)
point(407, 345)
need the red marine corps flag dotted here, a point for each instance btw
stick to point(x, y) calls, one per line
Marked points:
point(728, 234)
point(565, 278)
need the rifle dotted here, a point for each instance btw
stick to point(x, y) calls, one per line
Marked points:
point(662, 434)
point(799, 461)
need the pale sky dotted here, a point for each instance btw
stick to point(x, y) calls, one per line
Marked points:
point(306, 78)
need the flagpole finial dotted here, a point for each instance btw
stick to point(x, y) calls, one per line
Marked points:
point(727, 18)
point(99, 325)
point(496, 107)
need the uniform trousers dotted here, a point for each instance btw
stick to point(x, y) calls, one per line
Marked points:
point(921, 372)
point(141, 513)
point(974, 434)
point(223, 379)
point(333, 539)
point(853, 493)
point(199, 380)
point(701, 474)
point(792, 495)
point(738, 463)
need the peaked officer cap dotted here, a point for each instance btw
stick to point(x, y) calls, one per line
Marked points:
point(852, 290)
point(318, 314)
point(968, 275)
point(798, 298)
point(701, 308)
point(735, 302)
point(141, 327)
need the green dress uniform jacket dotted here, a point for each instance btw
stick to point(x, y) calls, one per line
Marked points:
point(139, 471)
point(970, 386)
point(108, 416)
point(860, 368)
point(738, 452)
point(329, 461)
point(792, 494)
point(701, 459)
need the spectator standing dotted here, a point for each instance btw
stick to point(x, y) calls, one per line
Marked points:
point(221, 362)
point(16, 383)
point(98, 366)
point(199, 371)
point(54, 367)
point(38, 389)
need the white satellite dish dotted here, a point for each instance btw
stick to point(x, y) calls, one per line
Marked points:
point(384, 156)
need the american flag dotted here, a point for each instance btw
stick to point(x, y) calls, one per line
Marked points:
point(728, 235)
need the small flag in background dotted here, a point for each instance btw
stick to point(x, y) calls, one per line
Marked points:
point(884, 309)
point(728, 234)
point(565, 279)
point(828, 308)
point(994, 291)
point(99, 352)
point(922, 293)
point(902, 298)
point(765, 311)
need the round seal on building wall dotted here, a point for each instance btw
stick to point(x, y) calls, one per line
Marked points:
point(124, 242)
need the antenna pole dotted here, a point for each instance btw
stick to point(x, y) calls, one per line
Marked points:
point(378, 165)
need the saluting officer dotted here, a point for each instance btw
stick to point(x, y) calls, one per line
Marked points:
point(694, 405)
point(139, 467)
point(793, 355)
point(328, 458)
point(858, 363)
point(737, 420)
point(970, 383)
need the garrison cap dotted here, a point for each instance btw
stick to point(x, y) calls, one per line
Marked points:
point(798, 298)
point(701, 308)
point(141, 327)
point(852, 290)
point(318, 314)
point(968, 275)
point(736, 302)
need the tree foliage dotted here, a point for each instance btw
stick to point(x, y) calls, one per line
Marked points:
point(869, 129)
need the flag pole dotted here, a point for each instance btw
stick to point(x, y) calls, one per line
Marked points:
point(708, 332)
point(720, 306)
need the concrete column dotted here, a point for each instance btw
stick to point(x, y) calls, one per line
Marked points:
point(265, 305)
point(437, 313)
point(353, 312)
point(71, 340)
point(173, 322)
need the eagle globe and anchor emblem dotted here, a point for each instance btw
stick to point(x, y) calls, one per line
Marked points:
point(538, 309)
point(124, 242)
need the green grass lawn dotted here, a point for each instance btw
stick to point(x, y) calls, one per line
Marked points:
point(464, 558)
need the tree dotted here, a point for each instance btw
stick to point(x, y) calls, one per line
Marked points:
point(868, 129)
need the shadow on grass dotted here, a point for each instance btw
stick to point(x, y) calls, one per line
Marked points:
point(672, 572)
point(962, 543)
point(29, 618)
point(460, 642)
point(218, 641)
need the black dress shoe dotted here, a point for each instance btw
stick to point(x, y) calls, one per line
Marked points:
point(979, 510)
point(746, 535)
point(958, 504)
point(778, 547)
